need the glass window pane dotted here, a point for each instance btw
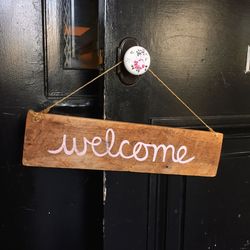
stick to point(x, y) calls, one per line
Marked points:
point(80, 22)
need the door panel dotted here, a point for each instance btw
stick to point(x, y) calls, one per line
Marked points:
point(125, 219)
point(199, 48)
point(217, 210)
point(40, 208)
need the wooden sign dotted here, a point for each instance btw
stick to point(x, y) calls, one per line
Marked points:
point(71, 142)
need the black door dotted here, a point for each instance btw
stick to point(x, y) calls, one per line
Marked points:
point(43, 208)
point(200, 49)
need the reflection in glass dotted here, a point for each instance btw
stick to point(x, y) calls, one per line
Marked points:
point(80, 20)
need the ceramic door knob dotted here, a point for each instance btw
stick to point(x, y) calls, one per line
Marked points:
point(136, 60)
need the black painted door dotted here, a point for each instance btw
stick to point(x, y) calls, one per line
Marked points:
point(200, 49)
point(42, 208)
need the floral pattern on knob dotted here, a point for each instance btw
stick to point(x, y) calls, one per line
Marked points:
point(136, 60)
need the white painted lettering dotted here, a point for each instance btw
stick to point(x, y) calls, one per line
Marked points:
point(140, 151)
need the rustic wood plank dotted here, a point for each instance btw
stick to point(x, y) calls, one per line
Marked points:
point(71, 142)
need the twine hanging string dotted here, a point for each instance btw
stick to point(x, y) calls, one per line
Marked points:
point(180, 100)
point(46, 110)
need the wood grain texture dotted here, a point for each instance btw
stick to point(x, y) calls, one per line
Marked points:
point(47, 133)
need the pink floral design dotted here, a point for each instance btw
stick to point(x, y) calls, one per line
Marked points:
point(138, 65)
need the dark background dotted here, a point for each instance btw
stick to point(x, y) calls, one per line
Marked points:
point(41, 208)
point(199, 48)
